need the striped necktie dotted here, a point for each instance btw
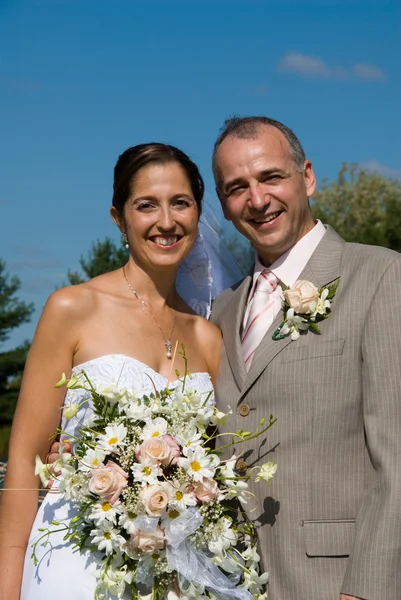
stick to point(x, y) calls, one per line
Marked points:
point(261, 314)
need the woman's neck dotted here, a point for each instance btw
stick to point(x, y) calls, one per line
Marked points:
point(155, 287)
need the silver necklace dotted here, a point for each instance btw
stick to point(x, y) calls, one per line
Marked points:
point(146, 308)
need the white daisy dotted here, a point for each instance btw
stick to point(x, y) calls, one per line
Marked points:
point(102, 511)
point(189, 437)
point(181, 496)
point(107, 538)
point(127, 520)
point(93, 459)
point(112, 439)
point(155, 428)
point(198, 464)
point(146, 472)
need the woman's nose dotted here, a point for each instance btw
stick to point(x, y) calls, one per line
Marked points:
point(166, 221)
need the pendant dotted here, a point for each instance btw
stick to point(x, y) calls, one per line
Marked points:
point(168, 346)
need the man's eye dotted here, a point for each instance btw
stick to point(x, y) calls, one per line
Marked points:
point(272, 178)
point(236, 190)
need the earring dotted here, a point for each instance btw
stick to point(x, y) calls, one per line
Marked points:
point(126, 244)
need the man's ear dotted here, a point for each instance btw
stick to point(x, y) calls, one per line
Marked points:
point(222, 204)
point(309, 178)
point(118, 219)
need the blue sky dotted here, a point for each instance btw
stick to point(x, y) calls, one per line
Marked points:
point(81, 80)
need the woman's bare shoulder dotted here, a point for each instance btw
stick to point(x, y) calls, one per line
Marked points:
point(72, 302)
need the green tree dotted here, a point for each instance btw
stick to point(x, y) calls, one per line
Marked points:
point(361, 206)
point(240, 249)
point(13, 312)
point(103, 257)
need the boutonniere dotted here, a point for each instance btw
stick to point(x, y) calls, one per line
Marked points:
point(303, 307)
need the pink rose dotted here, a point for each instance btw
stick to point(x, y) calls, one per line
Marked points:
point(146, 541)
point(175, 451)
point(302, 296)
point(108, 482)
point(155, 499)
point(206, 490)
point(162, 450)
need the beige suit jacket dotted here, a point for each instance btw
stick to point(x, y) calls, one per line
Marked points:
point(331, 519)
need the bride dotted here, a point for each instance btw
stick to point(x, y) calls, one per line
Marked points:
point(123, 326)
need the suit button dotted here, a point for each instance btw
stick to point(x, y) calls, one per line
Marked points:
point(241, 466)
point(244, 410)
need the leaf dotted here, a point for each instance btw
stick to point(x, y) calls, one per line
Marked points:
point(332, 289)
point(314, 327)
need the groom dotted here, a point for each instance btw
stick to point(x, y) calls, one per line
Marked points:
point(330, 524)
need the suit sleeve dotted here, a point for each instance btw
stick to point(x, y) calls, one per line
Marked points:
point(374, 568)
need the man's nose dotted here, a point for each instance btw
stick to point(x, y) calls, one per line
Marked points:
point(258, 197)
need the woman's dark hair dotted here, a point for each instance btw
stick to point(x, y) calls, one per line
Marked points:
point(133, 159)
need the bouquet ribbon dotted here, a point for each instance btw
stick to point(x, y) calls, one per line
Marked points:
point(194, 565)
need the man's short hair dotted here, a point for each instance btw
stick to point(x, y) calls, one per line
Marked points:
point(248, 128)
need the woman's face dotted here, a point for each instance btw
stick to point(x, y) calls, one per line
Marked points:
point(160, 216)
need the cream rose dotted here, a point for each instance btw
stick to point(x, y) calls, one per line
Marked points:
point(108, 482)
point(206, 490)
point(146, 541)
point(162, 450)
point(302, 297)
point(155, 499)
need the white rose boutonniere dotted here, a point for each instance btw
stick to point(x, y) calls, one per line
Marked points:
point(304, 306)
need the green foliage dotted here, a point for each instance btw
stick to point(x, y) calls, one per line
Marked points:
point(103, 257)
point(240, 249)
point(13, 313)
point(361, 206)
point(4, 440)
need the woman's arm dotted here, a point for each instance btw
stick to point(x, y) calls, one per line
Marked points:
point(36, 418)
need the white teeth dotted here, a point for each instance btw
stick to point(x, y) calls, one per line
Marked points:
point(267, 219)
point(163, 241)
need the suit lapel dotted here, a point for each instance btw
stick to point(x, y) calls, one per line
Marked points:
point(323, 268)
point(231, 326)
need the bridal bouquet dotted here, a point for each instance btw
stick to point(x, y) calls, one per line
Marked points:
point(150, 496)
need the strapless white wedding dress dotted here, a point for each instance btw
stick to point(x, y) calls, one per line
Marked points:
point(64, 573)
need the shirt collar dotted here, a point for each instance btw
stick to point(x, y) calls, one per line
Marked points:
point(290, 265)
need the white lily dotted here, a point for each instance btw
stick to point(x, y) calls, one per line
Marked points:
point(43, 470)
point(266, 472)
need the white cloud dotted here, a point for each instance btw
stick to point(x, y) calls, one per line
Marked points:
point(315, 67)
point(309, 66)
point(368, 72)
point(373, 166)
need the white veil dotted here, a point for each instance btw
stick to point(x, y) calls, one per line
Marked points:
point(209, 268)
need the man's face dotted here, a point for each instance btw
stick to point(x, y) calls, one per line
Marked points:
point(262, 192)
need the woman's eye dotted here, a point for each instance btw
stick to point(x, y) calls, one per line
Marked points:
point(183, 202)
point(145, 206)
